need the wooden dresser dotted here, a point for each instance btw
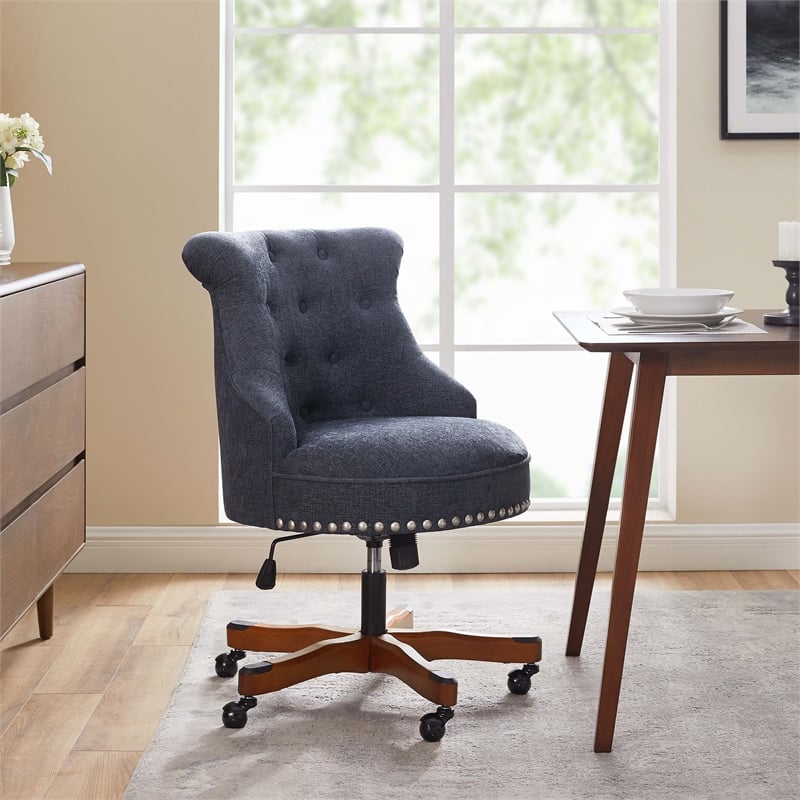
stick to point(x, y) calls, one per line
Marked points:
point(42, 434)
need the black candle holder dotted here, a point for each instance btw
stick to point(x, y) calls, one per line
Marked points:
point(790, 315)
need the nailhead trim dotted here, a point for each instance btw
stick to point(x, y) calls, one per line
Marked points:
point(411, 525)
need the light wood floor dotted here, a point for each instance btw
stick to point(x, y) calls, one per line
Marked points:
point(77, 711)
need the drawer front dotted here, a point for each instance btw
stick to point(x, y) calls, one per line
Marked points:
point(41, 331)
point(40, 437)
point(37, 545)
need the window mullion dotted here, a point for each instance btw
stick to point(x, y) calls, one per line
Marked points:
point(227, 133)
point(446, 185)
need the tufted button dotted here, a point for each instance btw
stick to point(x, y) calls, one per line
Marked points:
point(333, 358)
point(364, 303)
point(322, 253)
point(303, 306)
point(304, 412)
point(366, 405)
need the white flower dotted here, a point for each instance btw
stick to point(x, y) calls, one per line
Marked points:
point(19, 137)
point(8, 141)
point(16, 160)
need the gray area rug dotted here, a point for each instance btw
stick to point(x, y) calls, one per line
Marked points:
point(710, 708)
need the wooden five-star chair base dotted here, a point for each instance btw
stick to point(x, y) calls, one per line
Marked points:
point(314, 650)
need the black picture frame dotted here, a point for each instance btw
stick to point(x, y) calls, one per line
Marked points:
point(738, 118)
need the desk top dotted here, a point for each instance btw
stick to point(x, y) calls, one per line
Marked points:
point(775, 352)
point(590, 337)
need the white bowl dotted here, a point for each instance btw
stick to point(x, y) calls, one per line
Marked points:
point(678, 301)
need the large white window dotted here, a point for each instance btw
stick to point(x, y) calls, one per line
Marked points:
point(517, 146)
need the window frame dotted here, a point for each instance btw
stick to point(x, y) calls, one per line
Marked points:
point(567, 509)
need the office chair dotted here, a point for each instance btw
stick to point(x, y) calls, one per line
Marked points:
point(333, 421)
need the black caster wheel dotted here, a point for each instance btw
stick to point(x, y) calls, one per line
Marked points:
point(234, 714)
point(431, 726)
point(225, 663)
point(519, 680)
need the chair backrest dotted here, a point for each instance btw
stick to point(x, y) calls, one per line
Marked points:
point(308, 328)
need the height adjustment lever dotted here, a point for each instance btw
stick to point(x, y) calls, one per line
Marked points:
point(267, 575)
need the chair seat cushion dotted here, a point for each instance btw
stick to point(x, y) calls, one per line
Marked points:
point(406, 473)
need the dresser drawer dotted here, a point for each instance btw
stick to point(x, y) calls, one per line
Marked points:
point(37, 545)
point(40, 437)
point(41, 331)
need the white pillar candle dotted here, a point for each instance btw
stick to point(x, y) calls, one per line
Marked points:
point(789, 241)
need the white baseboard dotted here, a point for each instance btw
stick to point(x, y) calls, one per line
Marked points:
point(513, 548)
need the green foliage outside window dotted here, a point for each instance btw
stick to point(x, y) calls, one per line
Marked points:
point(549, 109)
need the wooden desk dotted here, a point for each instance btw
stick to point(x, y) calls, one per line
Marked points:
point(776, 352)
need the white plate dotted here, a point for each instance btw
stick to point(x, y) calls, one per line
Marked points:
point(679, 301)
point(634, 315)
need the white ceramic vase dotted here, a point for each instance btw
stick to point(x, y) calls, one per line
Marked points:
point(6, 226)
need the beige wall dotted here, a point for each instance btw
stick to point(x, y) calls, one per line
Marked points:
point(126, 93)
point(738, 438)
point(127, 96)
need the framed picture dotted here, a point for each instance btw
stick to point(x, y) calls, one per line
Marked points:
point(760, 69)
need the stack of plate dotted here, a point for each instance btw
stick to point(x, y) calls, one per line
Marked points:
point(652, 306)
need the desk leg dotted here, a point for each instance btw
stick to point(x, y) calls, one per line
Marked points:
point(618, 382)
point(650, 379)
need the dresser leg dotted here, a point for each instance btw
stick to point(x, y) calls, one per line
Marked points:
point(44, 610)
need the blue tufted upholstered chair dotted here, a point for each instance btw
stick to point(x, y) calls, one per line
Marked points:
point(333, 421)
